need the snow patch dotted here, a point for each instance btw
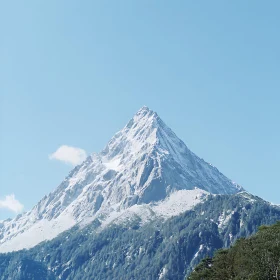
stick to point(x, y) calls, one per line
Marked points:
point(163, 272)
point(198, 251)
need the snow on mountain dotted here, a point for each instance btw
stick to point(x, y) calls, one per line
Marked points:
point(144, 170)
point(177, 203)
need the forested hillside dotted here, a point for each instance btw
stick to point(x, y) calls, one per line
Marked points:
point(157, 250)
point(254, 258)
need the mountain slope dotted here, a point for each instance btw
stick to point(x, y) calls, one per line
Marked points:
point(141, 169)
point(158, 250)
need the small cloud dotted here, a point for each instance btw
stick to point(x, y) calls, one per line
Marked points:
point(68, 154)
point(11, 203)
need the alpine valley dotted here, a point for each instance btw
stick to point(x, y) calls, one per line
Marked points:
point(145, 207)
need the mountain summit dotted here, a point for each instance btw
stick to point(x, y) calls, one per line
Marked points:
point(156, 162)
point(144, 170)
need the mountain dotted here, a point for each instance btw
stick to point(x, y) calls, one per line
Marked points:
point(145, 207)
point(159, 250)
point(145, 171)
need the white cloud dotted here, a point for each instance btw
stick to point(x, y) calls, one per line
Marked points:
point(11, 203)
point(69, 154)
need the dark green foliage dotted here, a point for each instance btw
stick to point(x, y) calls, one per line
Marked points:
point(20, 267)
point(171, 248)
point(254, 258)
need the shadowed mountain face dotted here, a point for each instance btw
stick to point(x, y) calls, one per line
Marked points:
point(143, 166)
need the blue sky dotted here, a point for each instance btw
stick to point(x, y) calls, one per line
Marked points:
point(74, 72)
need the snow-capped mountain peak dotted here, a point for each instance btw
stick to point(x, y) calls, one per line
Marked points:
point(139, 132)
point(145, 133)
point(144, 166)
